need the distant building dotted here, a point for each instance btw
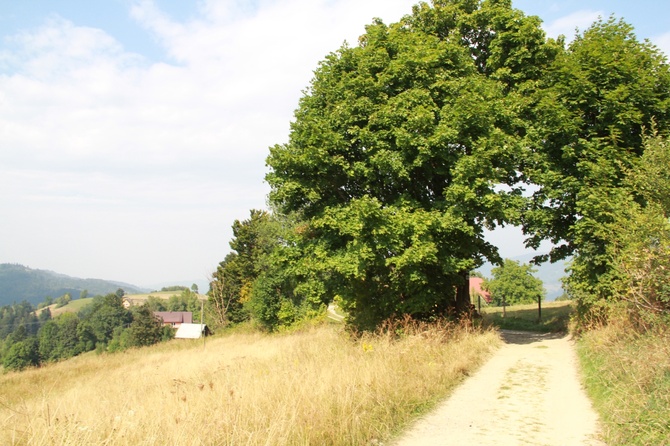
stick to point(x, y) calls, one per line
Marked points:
point(175, 318)
point(476, 289)
point(191, 331)
point(128, 302)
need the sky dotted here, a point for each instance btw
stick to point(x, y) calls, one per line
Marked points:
point(134, 132)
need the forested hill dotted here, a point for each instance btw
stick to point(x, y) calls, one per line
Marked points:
point(18, 283)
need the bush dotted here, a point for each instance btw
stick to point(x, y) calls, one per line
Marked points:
point(22, 354)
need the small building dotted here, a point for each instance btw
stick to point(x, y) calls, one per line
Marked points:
point(127, 302)
point(191, 331)
point(174, 318)
point(477, 290)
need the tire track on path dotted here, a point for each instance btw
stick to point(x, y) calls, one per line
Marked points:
point(529, 393)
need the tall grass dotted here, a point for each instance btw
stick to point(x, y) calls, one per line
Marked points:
point(627, 374)
point(320, 386)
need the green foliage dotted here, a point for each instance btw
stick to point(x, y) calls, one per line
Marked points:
point(47, 301)
point(58, 338)
point(102, 316)
point(640, 235)
point(22, 354)
point(636, 246)
point(63, 300)
point(513, 283)
point(174, 288)
point(626, 375)
point(588, 115)
point(396, 153)
point(156, 303)
point(167, 333)
point(145, 329)
point(18, 316)
point(186, 301)
point(231, 286)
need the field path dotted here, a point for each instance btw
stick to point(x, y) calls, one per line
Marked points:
point(529, 393)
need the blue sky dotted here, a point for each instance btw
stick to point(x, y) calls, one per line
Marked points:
point(133, 132)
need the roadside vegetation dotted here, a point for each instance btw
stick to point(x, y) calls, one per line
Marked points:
point(319, 385)
point(627, 375)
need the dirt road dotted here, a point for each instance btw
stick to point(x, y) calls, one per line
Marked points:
point(529, 393)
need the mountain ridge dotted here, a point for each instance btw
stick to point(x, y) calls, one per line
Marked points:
point(19, 283)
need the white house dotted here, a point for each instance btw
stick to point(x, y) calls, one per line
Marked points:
point(191, 331)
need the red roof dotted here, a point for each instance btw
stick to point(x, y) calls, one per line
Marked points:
point(476, 288)
point(175, 317)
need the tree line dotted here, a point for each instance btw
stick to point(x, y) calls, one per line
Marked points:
point(462, 117)
point(104, 325)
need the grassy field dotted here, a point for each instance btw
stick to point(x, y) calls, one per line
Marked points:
point(160, 294)
point(319, 386)
point(77, 304)
point(555, 317)
point(627, 376)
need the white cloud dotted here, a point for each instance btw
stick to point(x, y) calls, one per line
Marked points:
point(567, 25)
point(115, 166)
point(662, 42)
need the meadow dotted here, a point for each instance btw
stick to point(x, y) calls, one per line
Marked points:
point(317, 386)
point(555, 317)
point(77, 304)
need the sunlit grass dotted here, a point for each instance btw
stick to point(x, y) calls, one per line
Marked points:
point(628, 378)
point(319, 387)
point(555, 317)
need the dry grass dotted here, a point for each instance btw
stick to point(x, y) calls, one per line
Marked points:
point(316, 387)
point(165, 295)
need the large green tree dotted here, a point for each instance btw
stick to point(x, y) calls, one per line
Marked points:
point(638, 238)
point(100, 318)
point(398, 150)
point(231, 285)
point(514, 283)
point(145, 329)
point(587, 119)
point(59, 339)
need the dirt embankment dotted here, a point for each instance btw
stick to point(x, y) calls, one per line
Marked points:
point(529, 393)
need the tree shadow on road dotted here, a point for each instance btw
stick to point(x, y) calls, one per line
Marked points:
point(528, 337)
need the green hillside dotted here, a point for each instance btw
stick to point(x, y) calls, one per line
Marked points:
point(18, 283)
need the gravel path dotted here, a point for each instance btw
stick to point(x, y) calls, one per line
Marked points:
point(529, 393)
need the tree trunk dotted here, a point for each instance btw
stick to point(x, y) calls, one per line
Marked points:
point(463, 295)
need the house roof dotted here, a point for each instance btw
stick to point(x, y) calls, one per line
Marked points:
point(172, 317)
point(476, 288)
point(190, 331)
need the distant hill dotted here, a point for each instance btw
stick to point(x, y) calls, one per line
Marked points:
point(550, 274)
point(18, 283)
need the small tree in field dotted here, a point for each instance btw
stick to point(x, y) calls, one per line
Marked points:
point(22, 354)
point(145, 329)
point(513, 283)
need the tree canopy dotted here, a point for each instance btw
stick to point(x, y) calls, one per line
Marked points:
point(398, 150)
point(514, 283)
point(460, 118)
point(589, 116)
